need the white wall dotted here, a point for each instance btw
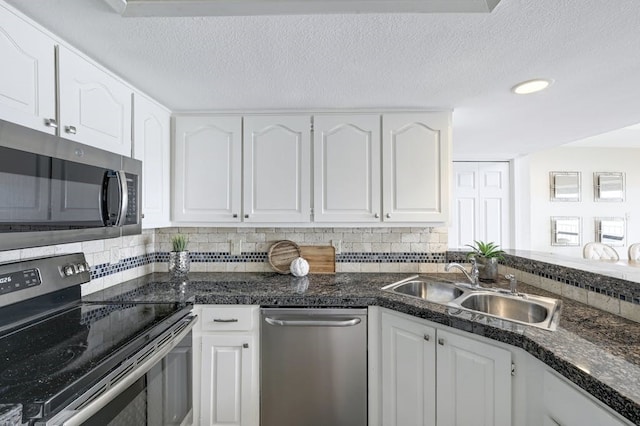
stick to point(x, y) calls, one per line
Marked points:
point(587, 161)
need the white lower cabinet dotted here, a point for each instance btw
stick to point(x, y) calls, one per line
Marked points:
point(226, 384)
point(555, 401)
point(474, 382)
point(408, 372)
point(434, 377)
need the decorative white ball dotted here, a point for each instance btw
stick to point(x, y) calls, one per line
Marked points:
point(299, 267)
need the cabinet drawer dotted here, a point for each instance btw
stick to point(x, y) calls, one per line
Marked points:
point(223, 318)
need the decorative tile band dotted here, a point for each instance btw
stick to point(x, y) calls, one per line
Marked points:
point(105, 269)
point(367, 257)
point(617, 288)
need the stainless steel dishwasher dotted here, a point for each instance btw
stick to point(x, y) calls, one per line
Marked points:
point(313, 367)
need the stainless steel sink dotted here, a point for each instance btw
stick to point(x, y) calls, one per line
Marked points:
point(537, 311)
point(431, 291)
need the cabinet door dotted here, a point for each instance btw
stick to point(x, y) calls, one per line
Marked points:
point(207, 169)
point(226, 376)
point(408, 372)
point(347, 168)
point(277, 169)
point(27, 86)
point(474, 382)
point(567, 406)
point(95, 108)
point(151, 145)
point(416, 157)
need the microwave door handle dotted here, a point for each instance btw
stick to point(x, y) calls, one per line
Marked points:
point(124, 197)
point(104, 198)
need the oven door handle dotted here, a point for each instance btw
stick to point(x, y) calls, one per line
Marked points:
point(83, 413)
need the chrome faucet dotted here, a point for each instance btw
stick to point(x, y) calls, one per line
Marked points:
point(472, 276)
point(513, 283)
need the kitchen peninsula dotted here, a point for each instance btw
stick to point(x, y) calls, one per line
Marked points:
point(597, 351)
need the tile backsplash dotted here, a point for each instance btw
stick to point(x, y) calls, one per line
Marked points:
point(411, 250)
point(361, 249)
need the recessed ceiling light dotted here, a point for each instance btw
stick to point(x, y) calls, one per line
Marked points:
point(530, 86)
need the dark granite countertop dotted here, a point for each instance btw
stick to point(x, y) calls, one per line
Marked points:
point(598, 351)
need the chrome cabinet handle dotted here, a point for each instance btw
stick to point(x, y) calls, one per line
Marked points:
point(388, 215)
point(70, 129)
point(51, 122)
point(427, 337)
point(225, 320)
point(441, 342)
point(376, 215)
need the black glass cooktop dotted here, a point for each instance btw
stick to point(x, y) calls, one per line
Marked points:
point(46, 364)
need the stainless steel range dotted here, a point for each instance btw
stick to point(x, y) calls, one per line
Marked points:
point(64, 362)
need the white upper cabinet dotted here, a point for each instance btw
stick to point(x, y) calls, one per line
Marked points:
point(277, 168)
point(347, 168)
point(152, 146)
point(95, 107)
point(27, 85)
point(416, 166)
point(207, 169)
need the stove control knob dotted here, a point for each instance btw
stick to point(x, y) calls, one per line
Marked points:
point(80, 267)
point(68, 270)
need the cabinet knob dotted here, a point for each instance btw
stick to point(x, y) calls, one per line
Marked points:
point(245, 345)
point(427, 337)
point(51, 122)
point(235, 215)
point(376, 215)
point(388, 215)
point(70, 129)
point(441, 342)
point(246, 216)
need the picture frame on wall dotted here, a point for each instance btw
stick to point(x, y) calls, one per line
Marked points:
point(611, 231)
point(608, 186)
point(566, 231)
point(565, 186)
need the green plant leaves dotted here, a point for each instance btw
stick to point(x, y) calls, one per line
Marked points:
point(488, 250)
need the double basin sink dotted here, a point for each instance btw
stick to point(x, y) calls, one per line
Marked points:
point(537, 311)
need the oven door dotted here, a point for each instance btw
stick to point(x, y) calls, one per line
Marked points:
point(152, 388)
point(161, 397)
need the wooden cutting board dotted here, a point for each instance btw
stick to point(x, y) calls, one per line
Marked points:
point(322, 259)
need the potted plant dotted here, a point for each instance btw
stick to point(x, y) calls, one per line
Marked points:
point(487, 256)
point(179, 258)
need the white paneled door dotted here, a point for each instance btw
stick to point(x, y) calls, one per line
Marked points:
point(95, 108)
point(207, 169)
point(347, 168)
point(227, 369)
point(474, 382)
point(277, 168)
point(415, 167)
point(152, 146)
point(27, 86)
point(481, 204)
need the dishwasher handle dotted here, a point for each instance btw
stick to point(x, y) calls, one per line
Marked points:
point(313, 323)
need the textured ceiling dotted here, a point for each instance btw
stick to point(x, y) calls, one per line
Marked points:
point(466, 62)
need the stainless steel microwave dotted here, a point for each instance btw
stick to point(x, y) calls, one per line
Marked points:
point(55, 191)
